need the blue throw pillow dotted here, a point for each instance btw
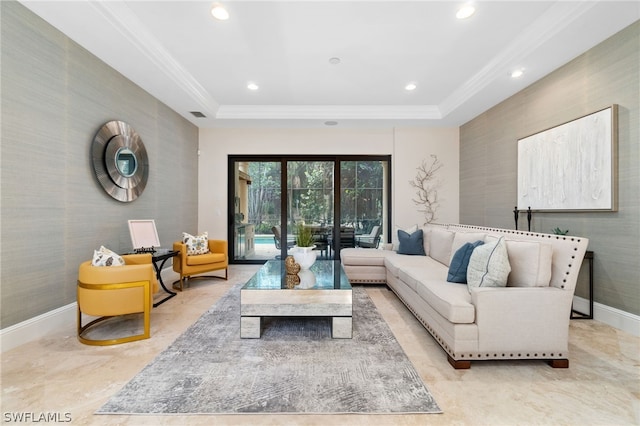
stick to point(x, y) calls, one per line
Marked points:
point(460, 262)
point(411, 243)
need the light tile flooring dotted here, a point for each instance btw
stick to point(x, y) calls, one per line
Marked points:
point(602, 386)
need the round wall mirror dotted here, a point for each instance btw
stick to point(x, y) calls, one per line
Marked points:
point(120, 161)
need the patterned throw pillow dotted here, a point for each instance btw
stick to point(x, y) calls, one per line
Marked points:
point(489, 265)
point(105, 257)
point(198, 244)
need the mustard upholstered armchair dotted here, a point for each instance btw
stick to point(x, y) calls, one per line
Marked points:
point(109, 291)
point(187, 266)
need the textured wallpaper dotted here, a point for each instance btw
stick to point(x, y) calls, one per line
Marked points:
point(55, 97)
point(606, 74)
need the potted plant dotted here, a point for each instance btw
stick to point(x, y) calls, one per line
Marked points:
point(303, 252)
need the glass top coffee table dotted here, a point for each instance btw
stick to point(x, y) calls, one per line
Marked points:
point(324, 291)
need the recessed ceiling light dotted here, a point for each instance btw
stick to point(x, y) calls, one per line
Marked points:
point(334, 61)
point(517, 73)
point(219, 12)
point(252, 86)
point(410, 87)
point(330, 123)
point(465, 11)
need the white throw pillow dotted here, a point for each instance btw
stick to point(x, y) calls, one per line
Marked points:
point(440, 241)
point(198, 244)
point(394, 238)
point(530, 263)
point(489, 265)
point(105, 257)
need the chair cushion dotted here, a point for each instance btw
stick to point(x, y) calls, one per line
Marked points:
point(205, 259)
point(198, 244)
point(105, 257)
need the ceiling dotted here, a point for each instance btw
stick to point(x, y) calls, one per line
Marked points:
point(180, 54)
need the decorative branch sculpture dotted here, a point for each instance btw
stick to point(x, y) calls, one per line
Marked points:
point(427, 188)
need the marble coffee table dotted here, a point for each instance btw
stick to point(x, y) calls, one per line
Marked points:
point(325, 291)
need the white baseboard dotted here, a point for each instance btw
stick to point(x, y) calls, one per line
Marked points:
point(616, 318)
point(39, 327)
point(63, 318)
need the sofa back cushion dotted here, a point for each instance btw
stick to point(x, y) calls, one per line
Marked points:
point(440, 242)
point(489, 265)
point(462, 238)
point(530, 263)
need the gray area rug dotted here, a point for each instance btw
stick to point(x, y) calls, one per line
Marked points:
point(296, 367)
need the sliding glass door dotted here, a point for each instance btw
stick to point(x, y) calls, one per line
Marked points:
point(264, 218)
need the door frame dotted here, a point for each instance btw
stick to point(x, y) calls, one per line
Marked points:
point(284, 159)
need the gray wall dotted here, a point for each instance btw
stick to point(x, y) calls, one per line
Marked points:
point(607, 74)
point(55, 96)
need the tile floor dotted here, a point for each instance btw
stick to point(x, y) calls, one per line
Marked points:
point(59, 375)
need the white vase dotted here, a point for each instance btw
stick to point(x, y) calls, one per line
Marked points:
point(307, 279)
point(304, 256)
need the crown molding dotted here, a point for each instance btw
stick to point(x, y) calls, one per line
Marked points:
point(559, 16)
point(323, 112)
point(122, 18)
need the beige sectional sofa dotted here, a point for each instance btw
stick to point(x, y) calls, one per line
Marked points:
point(527, 319)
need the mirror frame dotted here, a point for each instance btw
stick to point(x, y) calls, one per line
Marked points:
point(112, 137)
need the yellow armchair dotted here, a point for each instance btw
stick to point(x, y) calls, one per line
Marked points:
point(187, 266)
point(109, 291)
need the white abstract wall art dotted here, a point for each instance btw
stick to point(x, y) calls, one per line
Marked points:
point(572, 166)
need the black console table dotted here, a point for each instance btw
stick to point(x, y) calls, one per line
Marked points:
point(580, 315)
point(159, 257)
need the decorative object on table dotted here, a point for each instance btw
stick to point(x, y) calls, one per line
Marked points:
point(367, 374)
point(529, 214)
point(291, 266)
point(559, 231)
point(144, 235)
point(120, 161)
point(303, 252)
point(515, 216)
point(572, 166)
point(427, 188)
point(307, 279)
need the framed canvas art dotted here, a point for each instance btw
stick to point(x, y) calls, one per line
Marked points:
point(144, 233)
point(571, 167)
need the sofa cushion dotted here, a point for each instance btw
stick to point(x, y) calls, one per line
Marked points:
point(395, 262)
point(363, 257)
point(461, 238)
point(452, 301)
point(440, 242)
point(489, 265)
point(530, 263)
point(460, 262)
point(411, 244)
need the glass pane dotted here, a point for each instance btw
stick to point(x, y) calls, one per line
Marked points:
point(257, 210)
point(310, 200)
point(362, 201)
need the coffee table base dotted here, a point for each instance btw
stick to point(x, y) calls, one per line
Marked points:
point(341, 327)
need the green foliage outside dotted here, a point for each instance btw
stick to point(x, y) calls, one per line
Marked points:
point(310, 190)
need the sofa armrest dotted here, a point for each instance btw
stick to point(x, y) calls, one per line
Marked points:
point(522, 319)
